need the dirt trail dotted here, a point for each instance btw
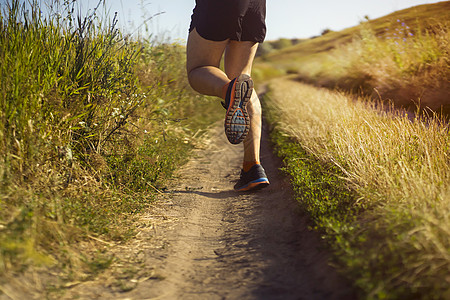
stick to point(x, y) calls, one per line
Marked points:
point(205, 241)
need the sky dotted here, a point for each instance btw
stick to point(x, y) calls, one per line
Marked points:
point(285, 18)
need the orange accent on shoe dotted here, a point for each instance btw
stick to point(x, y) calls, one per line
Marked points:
point(224, 90)
point(232, 96)
point(247, 165)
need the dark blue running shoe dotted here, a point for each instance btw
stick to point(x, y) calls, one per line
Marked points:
point(254, 179)
point(237, 120)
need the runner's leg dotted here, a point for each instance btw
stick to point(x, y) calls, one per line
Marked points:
point(203, 62)
point(239, 60)
point(205, 76)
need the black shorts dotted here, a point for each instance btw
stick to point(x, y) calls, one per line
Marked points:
point(240, 20)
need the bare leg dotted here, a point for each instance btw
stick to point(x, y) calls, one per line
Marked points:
point(205, 76)
point(252, 142)
point(238, 60)
point(203, 61)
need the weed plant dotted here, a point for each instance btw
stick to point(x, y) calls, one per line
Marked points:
point(392, 234)
point(93, 123)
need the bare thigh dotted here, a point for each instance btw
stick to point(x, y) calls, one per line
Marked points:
point(239, 58)
point(202, 52)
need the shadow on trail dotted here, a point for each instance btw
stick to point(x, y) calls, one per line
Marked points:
point(268, 237)
point(217, 195)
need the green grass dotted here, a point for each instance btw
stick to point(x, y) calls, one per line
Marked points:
point(92, 124)
point(375, 183)
point(319, 186)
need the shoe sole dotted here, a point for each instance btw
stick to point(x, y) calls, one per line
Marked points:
point(237, 120)
point(255, 185)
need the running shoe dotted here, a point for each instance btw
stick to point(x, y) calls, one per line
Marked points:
point(254, 179)
point(237, 120)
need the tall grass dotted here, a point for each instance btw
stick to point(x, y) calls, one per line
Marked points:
point(56, 74)
point(93, 123)
point(64, 82)
point(396, 245)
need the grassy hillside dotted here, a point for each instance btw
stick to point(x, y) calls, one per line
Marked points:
point(422, 16)
point(403, 56)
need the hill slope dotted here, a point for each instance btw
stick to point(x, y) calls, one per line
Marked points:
point(403, 55)
point(423, 16)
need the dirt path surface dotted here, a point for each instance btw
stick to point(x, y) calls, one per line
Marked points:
point(205, 241)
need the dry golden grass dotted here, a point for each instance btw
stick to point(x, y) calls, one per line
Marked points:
point(399, 166)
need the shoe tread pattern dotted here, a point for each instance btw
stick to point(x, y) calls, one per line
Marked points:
point(237, 120)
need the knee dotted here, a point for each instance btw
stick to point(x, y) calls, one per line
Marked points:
point(190, 75)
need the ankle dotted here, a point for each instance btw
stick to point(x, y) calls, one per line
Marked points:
point(247, 165)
